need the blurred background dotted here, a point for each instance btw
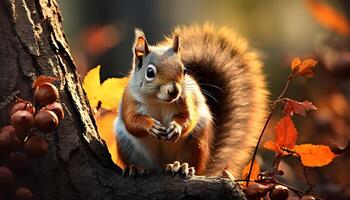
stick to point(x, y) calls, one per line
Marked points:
point(101, 32)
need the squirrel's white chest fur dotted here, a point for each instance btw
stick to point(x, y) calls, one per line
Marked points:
point(149, 151)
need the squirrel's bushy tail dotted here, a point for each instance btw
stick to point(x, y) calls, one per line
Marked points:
point(230, 75)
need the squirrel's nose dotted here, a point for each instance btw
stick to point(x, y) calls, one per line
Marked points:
point(173, 91)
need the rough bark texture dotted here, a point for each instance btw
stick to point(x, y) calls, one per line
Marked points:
point(78, 165)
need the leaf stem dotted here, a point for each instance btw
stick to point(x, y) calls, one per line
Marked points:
point(273, 107)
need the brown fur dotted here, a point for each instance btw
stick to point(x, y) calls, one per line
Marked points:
point(221, 58)
point(135, 123)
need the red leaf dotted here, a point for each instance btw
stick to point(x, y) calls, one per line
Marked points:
point(286, 134)
point(293, 106)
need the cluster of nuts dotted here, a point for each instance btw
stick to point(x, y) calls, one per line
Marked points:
point(21, 142)
point(274, 192)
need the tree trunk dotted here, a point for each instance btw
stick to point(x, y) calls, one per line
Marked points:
point(78, 165)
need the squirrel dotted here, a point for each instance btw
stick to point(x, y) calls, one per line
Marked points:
point(198, 98)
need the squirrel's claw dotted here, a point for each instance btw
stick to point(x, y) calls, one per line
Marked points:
point(157, 130)
point(174, 131)
point(134, 171)
point(181, 169)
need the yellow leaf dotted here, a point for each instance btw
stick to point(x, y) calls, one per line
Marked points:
point(91, 85)
point(111, 92)
point(255, 170)
point(314, 155)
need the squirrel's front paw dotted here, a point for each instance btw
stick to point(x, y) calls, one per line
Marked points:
point(173, 131)
point(182, 169)
point(157, 130)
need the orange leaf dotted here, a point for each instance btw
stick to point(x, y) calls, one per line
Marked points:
point(296, 62)
point(105, 125)
point(286, 134)
point(43, 79)
point(329, 17)
point(272, 146)
point(314, 155)
point(255, 170)
point(305, 68)
point(293, 106)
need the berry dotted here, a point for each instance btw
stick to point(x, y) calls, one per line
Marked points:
point(36, 146)
point(279, 193)
point(57, 109)
point(6, 177)
point(8, 140)
point(22, 105)
point(46, 120)
point(19, 160)
point(23, 194)
point(46, 93)
point(22, 120)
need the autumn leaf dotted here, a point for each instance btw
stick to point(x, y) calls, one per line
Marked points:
point(272, 146)
point(286, 134)
point(303, 68)
point(291, 106)
point(92, 86)
point(314, 155)
point(105, 125)
point(255, 170)
point(109, 93)
point(296, 62)
point(329, 17)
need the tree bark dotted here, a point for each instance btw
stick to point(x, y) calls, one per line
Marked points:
point(78, 165)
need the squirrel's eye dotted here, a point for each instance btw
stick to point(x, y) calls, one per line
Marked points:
point(150, 72)
point(185, 71)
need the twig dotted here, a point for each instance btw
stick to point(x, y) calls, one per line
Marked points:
point(273, 107)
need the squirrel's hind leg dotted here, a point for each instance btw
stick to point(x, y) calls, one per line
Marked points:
point(135, 171)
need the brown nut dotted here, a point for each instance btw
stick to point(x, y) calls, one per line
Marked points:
point(22, 120)
point(46, 93)
point(36, 146)
point(23, 194)
point(22, 105)
point(6, 177)
point(280, 192)
point(8, 140)
point(308, 197)
point(19, 160)
point(46, 120)
point(57, 109)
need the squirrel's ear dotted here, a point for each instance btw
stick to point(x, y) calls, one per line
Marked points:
point(176, 43)
point(140, 46)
